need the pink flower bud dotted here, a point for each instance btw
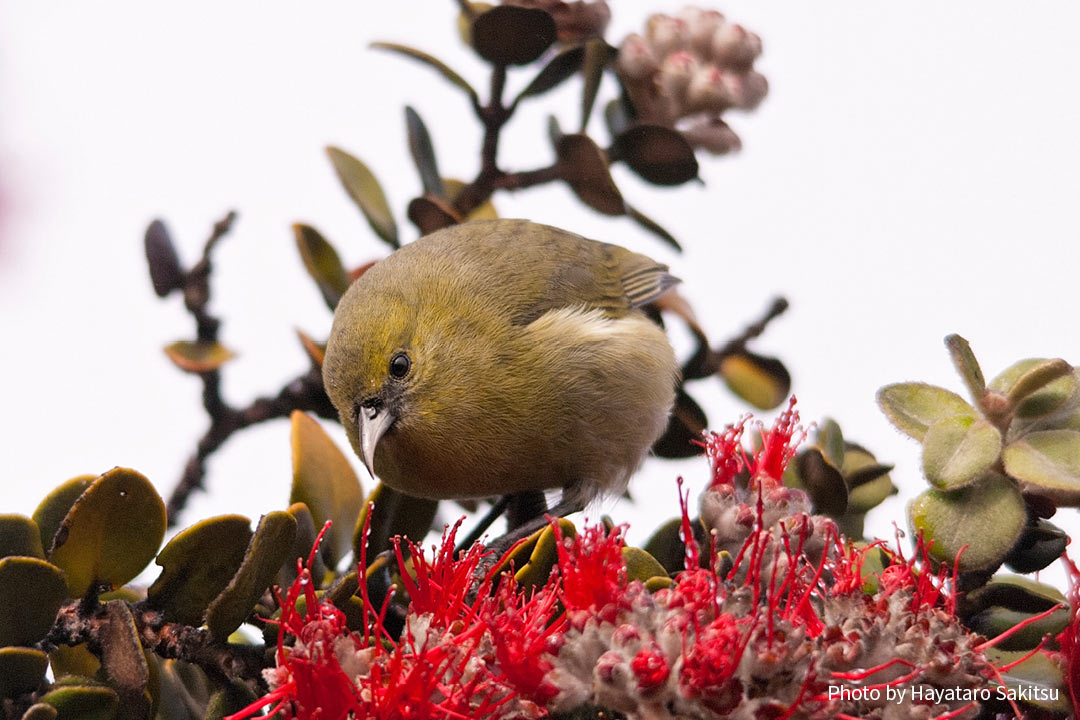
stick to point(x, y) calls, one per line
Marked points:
point(636, 58)
point(666, 34)
point(749, 89)
point(702, 24)
point(734, 46)
point(675, 73)
point(709, 89)
point(714, 136)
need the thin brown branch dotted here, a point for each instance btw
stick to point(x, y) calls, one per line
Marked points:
point(778, 307)
point(78, 623)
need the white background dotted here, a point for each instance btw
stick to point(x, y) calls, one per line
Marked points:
point(913, 172)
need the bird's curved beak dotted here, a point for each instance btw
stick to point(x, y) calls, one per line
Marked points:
point(374, 422)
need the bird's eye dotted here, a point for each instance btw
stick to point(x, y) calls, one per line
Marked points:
point(399, 365)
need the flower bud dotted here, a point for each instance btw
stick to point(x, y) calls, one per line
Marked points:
point(714, 135)
point(734, 46)
point(710, 89)
point(748, 89)
point(675, 73)
point(637, 60)
point(666, 34)
point(702, 25)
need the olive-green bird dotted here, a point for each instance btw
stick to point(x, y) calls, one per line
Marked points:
point(503, 356)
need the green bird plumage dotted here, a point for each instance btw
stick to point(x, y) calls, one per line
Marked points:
point(502, 356)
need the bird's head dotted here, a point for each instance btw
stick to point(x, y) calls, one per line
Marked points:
point(373, 365)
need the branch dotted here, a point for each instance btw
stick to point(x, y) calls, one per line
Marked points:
point(79, 622)
point(738, 343)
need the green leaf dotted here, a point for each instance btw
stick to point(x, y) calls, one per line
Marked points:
point(198, 356)
point(19, 535)
point(365, 191)
point(1039, 672)
point(188, 583)
point(598, 54)
point(830, 439)
point(667, 547)
point(511, 35)
point(685, 426)
point(65, 660)
point(1048, 463)
point(322, 263)
point(111, 532)
point(984, 519)
point(50, 513)
point(392, 513)
point(957, 451)
point(913, 407)
point(306, 533)
point(268, 550)
point(39, 711)
point(22, 670)
point(431, 62)
point(823, 482)
point(995, 620)
point(557, 71)
point(1032, 385)
point(868, 480)
point(543, 555)
point(31, 593)
point(233, 698)
point(762, 381)
point(89, 701)
point(967, 366)
point(324, 480)
point(1041, 544)
point(640, 565)
point(423, 153)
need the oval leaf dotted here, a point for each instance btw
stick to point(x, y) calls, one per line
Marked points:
point(198, 356)
point(51, 511)
point(823, 481)
point(543, 555)
point(558, 70)
point(431, 62)
point(763, 382)
point(188, 583)
point(685, 426)
point(584, 167)
point(19, 535)
point(598, 55)
point(324, 480)
point(985, 519)
point(995, 620)
point(40, 711)
point(830, 439)
point(868, 480)
point(1048, 463)
point(22, 670)
point(111, 533)
point(640, 565)
point(122, 654)
point(268, 550)
point(967, 366)
point(1039, 386)
point(430, 213)
point(914, 407)
point(484, 211)
point(958, 450)
point(511, 35)
point(1037, 672)
point(658, 154)
point(31, 593)
point(88, 701)
point(364, 189)
point(423, 153)
point(322, 263)
point(1042, 543)
point(667, 546)
point(165, 271)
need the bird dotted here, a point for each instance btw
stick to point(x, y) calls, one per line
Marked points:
point(503, 356)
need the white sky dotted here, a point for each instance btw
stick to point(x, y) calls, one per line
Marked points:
point(914, 172)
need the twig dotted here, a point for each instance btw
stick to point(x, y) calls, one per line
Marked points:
point(76, 623)
point(738, 343)
point(303, 393)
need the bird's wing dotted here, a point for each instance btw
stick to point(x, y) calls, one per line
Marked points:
point(548, 268)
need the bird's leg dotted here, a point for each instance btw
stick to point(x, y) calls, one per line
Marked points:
point(497, 509)
point(524, 507)
point(565, 506)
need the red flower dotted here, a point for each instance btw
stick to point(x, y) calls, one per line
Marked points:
point(1069, 638)
point(592, 572)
